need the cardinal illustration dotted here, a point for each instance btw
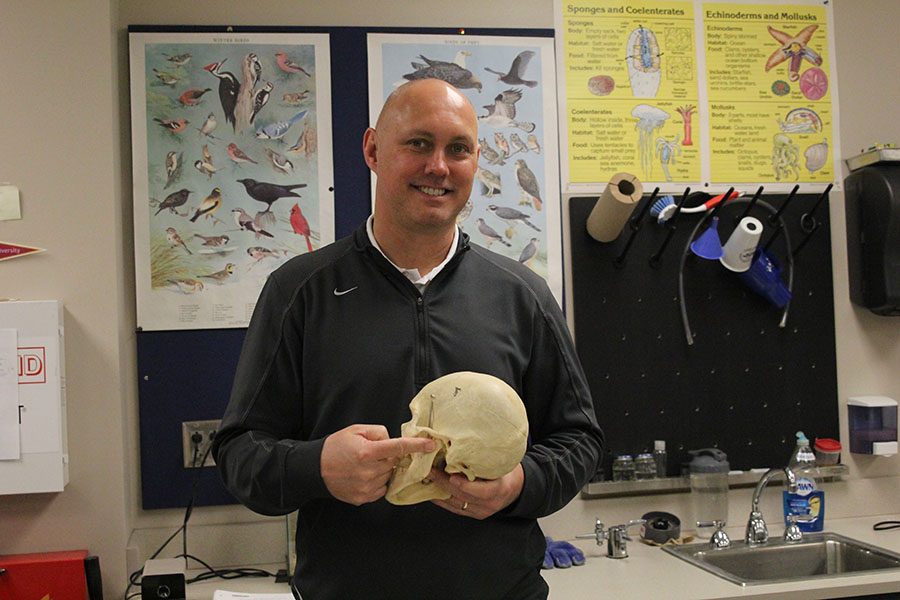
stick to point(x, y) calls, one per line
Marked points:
point(300, 225)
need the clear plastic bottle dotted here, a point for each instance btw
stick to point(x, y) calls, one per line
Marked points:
point(709, 488)
point(659, 457)
point(808, 503)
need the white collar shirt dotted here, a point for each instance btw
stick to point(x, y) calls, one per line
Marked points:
point(420, 281)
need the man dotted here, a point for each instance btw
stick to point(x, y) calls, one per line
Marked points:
point(343, 338)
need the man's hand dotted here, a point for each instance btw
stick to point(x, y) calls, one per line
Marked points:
point(357, 461)
point(481, 498)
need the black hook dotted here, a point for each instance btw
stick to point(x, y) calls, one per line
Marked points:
point(635, 224)
point(774, 218)
point(807, 221)
point(670, 224)
point(749, 205)
point(722, 202)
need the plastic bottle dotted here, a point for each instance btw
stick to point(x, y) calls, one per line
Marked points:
point(808, 503)
point(709, 488)
point(659, 456)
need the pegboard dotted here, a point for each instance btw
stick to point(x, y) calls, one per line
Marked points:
point(745, 383)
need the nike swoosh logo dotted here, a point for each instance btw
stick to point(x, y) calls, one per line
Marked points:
point(342, 292)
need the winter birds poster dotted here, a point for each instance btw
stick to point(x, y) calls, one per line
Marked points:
point(514, 208)
point(232, 168)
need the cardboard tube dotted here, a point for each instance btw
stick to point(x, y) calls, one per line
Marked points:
point(611, 212)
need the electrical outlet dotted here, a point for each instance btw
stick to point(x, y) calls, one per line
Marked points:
point(196, 438)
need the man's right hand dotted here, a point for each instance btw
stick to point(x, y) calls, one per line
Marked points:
point(357, 461)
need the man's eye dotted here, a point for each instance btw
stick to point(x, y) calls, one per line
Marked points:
point(418, 144)
point(459, 149)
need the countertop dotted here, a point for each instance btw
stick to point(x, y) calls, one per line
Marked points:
point(649, 572)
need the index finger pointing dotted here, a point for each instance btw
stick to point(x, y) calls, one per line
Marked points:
point(400, 447)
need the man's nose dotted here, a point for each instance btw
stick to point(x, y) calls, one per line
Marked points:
point(437, 163)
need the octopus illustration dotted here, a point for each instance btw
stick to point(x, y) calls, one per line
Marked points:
point(643, 63)
point(785, 157)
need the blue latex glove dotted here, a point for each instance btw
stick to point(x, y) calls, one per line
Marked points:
point(561, 555)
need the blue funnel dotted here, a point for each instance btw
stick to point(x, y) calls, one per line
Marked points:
point(708, 245)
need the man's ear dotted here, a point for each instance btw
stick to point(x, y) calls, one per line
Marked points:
point(369, 149)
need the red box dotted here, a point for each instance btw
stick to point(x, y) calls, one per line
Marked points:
point(56, 575)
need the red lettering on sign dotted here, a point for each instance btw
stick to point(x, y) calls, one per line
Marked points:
point(32, 365)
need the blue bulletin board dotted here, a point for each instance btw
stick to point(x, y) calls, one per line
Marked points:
point(186, 375)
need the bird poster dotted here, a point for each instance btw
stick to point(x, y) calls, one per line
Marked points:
point(232, 169)
point(514, 208)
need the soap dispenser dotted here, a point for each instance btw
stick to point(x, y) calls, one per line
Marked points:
point(873, 425)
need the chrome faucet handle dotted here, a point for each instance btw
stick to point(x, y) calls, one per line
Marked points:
point(616, 546)
point(719, 538)
point(757, 532)
point(600, 534)
point(792, 531)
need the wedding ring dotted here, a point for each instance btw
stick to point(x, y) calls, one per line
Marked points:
point(465, 505)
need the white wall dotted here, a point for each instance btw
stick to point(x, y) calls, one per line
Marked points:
point(64, 122)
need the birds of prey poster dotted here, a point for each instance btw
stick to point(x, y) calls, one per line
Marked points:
point(232, 167)
point(514, 208)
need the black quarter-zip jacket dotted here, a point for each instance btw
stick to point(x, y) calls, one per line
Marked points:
point(338, 337)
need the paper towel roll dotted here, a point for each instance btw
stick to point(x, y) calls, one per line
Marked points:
point(614, 206)
point(737, 253)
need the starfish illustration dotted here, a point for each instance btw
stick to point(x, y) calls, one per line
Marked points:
point(793, 48)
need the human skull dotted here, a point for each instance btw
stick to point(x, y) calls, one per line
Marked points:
point(481, 429)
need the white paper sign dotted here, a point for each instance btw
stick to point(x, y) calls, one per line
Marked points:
point(9, 396)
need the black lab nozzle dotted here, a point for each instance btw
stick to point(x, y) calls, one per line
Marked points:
point(654, 260)
point(635, 224)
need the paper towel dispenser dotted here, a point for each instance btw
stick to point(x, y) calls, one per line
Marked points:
point(872, 209)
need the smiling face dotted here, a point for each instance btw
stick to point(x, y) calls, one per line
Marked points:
point(424, 151)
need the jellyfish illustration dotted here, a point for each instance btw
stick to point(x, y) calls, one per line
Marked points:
point(650, 121)
point(643, 63)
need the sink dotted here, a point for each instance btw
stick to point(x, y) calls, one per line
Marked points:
point(818, 555)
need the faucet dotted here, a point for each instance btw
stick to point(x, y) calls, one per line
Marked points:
point(757, 533)
point(616, 537)
point(719, 538)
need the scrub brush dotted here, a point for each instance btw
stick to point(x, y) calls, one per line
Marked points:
point(663, 208)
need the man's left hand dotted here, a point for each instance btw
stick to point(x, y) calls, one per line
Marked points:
point(481, 498)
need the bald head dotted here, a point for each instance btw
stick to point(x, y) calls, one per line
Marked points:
point(434, 91)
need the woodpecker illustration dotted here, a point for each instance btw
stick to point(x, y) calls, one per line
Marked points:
point(228, 89)
point(260, 97)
